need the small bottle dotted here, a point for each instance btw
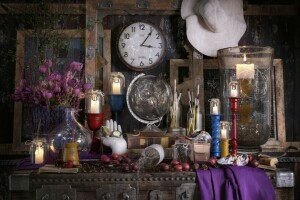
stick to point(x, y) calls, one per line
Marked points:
point(198, 119)
point(190, 123)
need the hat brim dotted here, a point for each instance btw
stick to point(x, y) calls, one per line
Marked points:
point(208, 42)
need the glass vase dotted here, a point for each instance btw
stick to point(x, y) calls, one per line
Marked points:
point(70, 130)
point(249, 70)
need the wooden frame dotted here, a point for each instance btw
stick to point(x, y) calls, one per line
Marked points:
point(195, 68)
point(278, 143)
point(18, 145)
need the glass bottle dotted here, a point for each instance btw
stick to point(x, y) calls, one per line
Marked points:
point(70, 130)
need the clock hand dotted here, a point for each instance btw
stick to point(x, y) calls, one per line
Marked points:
point(149, 46)
point(146, 38)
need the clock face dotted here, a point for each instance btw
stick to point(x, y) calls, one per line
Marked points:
point(141, 46)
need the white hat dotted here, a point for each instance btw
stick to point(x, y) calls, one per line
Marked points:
point(213, 24)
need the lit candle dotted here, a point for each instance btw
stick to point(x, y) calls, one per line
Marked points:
point(116, 86)
point(215, 110)
point(234, 87)
point(223, 133)
point(39, 155)
point(214, 106)
point(245, 71)
point(95, 105)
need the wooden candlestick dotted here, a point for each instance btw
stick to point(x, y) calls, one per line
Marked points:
point(234, 109)
point(215, 125)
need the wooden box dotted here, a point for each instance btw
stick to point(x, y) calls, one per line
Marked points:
point(143, 140)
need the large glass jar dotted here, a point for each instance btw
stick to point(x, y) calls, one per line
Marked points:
point(70, 130)
point(247, 69)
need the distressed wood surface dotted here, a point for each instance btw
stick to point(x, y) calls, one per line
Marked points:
point(107, 57)
point(86, 184)
point(91, 37)
point(30, 8)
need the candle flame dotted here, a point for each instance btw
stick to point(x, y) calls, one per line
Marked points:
point(116, 79)
point(245, 58)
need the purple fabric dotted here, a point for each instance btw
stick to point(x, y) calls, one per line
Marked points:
point(25, 164)
point(235, 183)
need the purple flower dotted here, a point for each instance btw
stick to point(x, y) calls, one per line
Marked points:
point(47, 94)
point(43, 69)
point(55, 76)
point(76, 66)
point(72, 83)
point(87, 86)
point(57, 89)
point(53, 88)
point(48, 63)
point(77, 92)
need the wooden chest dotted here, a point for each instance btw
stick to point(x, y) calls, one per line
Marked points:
point(114, 185)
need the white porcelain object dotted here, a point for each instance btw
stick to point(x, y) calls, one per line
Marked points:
point(117, 144)
point(154, 151)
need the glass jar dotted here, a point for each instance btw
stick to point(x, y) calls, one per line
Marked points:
point(70, 130)
point(38, 150)
point(245, 74)
point(201, 146)
point(182, 150)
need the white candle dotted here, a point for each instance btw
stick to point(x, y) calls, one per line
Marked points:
point(223, 133)
point(95, 106)
point(245, 71)
point(39, 155)
point(233, 92)
point(116, 88)
point(215, 110)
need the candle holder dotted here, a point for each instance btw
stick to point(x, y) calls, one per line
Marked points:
point(215, 142)
point(117, 93)
point(116, 102)
point(38, 150)
point(234, 110)
point(94, 101)
point(224, 138)
point(215, 126)
point(250, 67)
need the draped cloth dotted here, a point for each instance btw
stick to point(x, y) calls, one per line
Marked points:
point(235, 183)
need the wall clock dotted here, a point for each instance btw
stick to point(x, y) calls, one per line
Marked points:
point(141, 45)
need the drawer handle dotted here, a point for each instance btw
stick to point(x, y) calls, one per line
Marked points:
point(45, 197)
point(106, 196)
point(125, 196)
point(65, 197)
point(185, 195)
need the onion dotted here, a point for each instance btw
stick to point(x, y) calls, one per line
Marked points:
point(186, 166)
point(178, 167)
point(175, 162)
point(212, 161)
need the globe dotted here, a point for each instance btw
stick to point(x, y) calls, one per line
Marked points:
point(148, 98)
